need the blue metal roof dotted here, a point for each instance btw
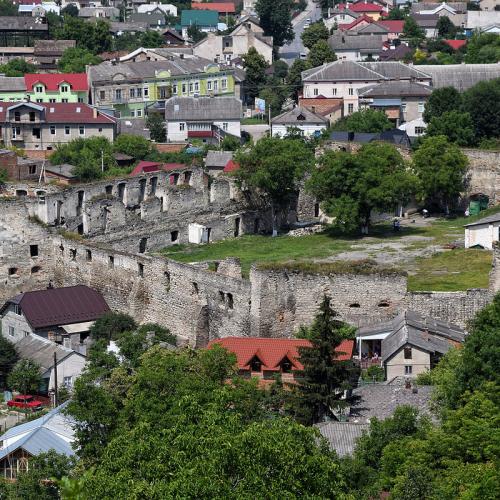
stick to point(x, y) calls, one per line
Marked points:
point(386, 102)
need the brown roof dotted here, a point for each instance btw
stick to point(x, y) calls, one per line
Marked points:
point(60, 306)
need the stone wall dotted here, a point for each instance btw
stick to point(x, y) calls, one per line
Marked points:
point(484, 173)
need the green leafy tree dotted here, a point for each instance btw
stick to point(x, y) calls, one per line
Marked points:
point(110, 325)
point(396, 14)
point(350, 186)
point(294, 78)
point(457, 127)
point(7, 8)
point(482, 102)
point(274, 167)
point(230, 143)
point(70, 10)
point(275, 20)
point(314, 33)
point(75, 60)
point(274, 95)
point(4, 176)
point(255, 67)
point(133, 145)
point(483, 48)
point(8, 358)
point(151, 39)
point(440, 168)
point(94, 37)
point(280, 69)
point(320, 53)
point(17, 67)
point(413, 31)
point(446, 29)
point(25, 376)
point(366, 120)
point(324, 377)
point(195, 34)
point(440, 101)
point(156, 125)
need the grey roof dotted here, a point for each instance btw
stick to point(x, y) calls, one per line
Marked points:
point(12, 83)
point(51, 431)
point(116, 26)
point(152, 18)
point(299, 116)
point(460, 76)
point(458, 6)
point(218, 159)
point(42, 351)
point(395, 54)
point(203, 108)
point(346, 41)
point(90, 11)
point(485, 220)
point(133, 126)
point(361, 137)
point(426, 20)
point(381, 400)
point(371, 71)
point(396, 88)
point(140, 70)
point(345, 11)
point(394, 136)
point(342, 436)
point(373, 28)
point(21, 23)
point(65, 170)
point(44, 47)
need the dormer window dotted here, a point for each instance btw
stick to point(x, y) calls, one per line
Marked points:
point(39, 89)
point(286, 365)
point(255, 364)
point(17, 116)
point(64, 88)
point(301, 117)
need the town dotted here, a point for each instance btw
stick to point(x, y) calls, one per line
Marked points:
point(250, 249)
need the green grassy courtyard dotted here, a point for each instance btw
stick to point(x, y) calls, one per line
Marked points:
point(420, 249)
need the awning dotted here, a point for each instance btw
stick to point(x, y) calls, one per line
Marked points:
point(379, 336)
point(77, 327)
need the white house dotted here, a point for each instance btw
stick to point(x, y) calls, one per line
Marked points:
point(414, 128)
point(337, 17)
point(204, 118)
point(166, 8)
point(299, 118)
point(483, 233)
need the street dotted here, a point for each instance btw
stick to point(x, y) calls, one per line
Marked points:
point(293, 50)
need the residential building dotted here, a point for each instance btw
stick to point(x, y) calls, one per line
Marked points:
point(57, 87)
point(345, 79)
point(205, 118)
point(53, 431)
point(360, 22)
point(9, 53)
point(226, 48)
point(12, 89)
point(342, 436)
point(129, 88)
point(372, 9)
point(223, 8)
point(167, 8)
point(62, 173)
point(48, 52)
point(264, 358)
point(394, 136)
point(455, 44)
point(57, 314)
point(492, 28)
point(351, 46)
point(330, 108)
point(478, 20)
point(159, 54)
point(339, 17)
point(19, 169)
point(171, 37)
point(147, 167)
point(299, 118)
point(205, 20)
point(39, 10)
point(456, 12)
point(395, 52)
point(155, 20)
point(117, 28)
point(109, 13)
point(217, 161)
point(414, 128)
point(40, 126)
point(69, 363)
point(428, 23)
point(21, 31)
point(408, 345)
point(483, 233)
point(395, 28)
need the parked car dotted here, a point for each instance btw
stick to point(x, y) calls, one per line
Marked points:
point(25, 401)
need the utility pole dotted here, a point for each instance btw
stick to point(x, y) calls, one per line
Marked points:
point(270, 124)
point(55, 381)
point(102, 160)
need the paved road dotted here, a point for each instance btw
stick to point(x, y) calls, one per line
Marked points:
point(293, 50)
point(256, 131)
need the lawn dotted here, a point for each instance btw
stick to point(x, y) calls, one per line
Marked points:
point(253, 121)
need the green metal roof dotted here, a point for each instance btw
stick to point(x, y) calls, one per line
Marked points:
point(199, 17)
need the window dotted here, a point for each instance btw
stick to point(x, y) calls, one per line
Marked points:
point(315, 92)
point(64, 100)
point(196, 86)
point(32, 169)
point(139, 113)
point(118, 94)
point(419, 130)
point(142, 245)
point(67, 381)
point(403, 107)
point(174, 88)
point(132, 93)
point(52, 130)
point(421, 107)
point(32, 116)
point(12, 332)
point(102, 95)
point(407, 352)
point(230, 300)
point(51, 100)
point(81, 129)
point(64, 88)
point(34, 250)
point(190, 87)
point(17, 309)
point(209, 84)
point(36, 132)
point(174, 236)
point(16, 131)
point(350, 108)
point(132, 113)
point(334, 91)
point(39, 100)
point(183, 88)
point(255, 364)
point(408, 370)
point(67, 130)
point(80, 99)
point(88, 255)
point(17, 116)
point(351, 91)
point(140, 270)
point(216, 85)
point(145, 91)
point(12, 271)
point(181, 127)
point(225, 126)
point(111, 261)
point(39, 89)
point(223, 84)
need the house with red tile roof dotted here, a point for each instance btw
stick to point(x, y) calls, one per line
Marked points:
point(57, 87)
point(222, 8)
point(456, 44)
point(266, 357)
point(371, 9)
point(40, 126)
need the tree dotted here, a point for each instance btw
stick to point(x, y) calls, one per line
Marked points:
point(70, 10)
point(255, 67)
point(274, 95)
point(314, 33)
point(350, 186)
point(25, 377)
point(75, 60)
point(482, 102)
point(7, 8)
point(17, 67)
point(230, 143)
point(195, 34)
point(440, 168)
point(324, 377)
point(4, 176)
point(483, 48)
point(280, 69)
point(413, 31)
point(294, 78)
point(396, 14)
point(156, 125)
point(366, 120)
point(274, 167)
point(110, 325)
point(133, 145)
point(94, 37)
point(440, 101)
point(275, 20)
point(456, 126)
point(320, 53)
point(151, 39)
point(446, 29)
point(8, 358)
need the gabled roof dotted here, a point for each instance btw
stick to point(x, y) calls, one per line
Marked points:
point(485, 220)
point(376, 28)
point(272, 351)
point(299, 116)
point(199, 18)
point(218, 159)
point(358, 20)
point(392, 26)
point(342, 436)
point(426, 20)
point(60, 306)
point(203, 108)
point(147, 167)
point(341, 41)
point(12, 84)
point(396, 88)
point(21, 23)
point(52, 47)
point(231, 166)
point(395, 54)
point(455, 44)
point(223, 7)
point(361, 7)
point(52, 81)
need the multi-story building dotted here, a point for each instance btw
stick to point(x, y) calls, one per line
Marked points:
point(131, 88)
point(40, 126)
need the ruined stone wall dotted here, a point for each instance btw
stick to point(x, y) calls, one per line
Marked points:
point(484, 173)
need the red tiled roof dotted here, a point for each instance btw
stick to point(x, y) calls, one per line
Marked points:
point(61, 306)
point(271, 351)
point(62, 112)
point(455, 44)
point(224, 7)
point(361, 7)
point(392, 26)
point(231, 166)
point(364, 17)
point(77, 81)
point(146, 167)
point(27, 2)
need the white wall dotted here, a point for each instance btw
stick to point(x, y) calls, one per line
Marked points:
point(420, 363)
point(18, 321)
point(71, 366)
point(307, 130)
point(174, 134)
point(484, 235)
point(233, 126)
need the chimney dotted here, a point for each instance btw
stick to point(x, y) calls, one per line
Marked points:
point(94, 113)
